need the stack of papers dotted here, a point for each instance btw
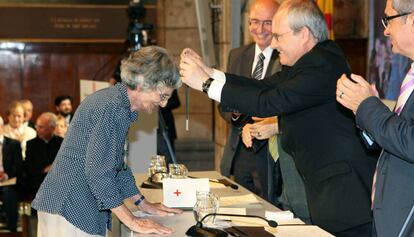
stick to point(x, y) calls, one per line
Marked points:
point(279, 215)
point(239, 200)
point(295, 231)
point(8, 182)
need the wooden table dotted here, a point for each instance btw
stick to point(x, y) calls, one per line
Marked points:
point(181, 223)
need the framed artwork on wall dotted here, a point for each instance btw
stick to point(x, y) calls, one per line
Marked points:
point(385, 69)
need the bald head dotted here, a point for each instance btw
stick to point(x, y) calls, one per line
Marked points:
point(45, 125)
point(260, 21)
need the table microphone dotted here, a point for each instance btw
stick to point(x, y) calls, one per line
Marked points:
point(198, 230)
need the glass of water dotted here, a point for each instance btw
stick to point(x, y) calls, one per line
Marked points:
point(178, 171)
point(207, 202)
point(158, 168)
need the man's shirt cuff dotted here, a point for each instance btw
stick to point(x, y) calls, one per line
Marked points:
point(217, 85)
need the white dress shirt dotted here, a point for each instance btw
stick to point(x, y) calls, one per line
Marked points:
point(214, 92)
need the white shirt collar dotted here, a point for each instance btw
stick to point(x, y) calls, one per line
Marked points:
point(267, 52)
point(1, 139)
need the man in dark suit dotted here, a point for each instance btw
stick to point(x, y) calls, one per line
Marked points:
point(319, 134)
point(249, 162)
point(393, 188)
point(10, 167)
point(41, 152)
point(63, 104)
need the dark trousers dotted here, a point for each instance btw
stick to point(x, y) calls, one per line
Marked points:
point(374, 230)
point(10, 202)
point(364, 230)
point(250, 169)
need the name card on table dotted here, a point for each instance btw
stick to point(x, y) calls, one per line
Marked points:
point(182, 192)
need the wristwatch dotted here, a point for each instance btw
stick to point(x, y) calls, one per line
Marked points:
point(206, 85)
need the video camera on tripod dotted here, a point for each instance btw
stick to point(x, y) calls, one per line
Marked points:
point(137, 35)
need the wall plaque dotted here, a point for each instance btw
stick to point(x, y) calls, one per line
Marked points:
point(63, 23)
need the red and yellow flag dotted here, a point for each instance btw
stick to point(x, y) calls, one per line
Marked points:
point(327, 7)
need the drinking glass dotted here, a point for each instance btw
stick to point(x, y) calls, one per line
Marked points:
point(178, 171)
point(207, 202)
point(158, 168)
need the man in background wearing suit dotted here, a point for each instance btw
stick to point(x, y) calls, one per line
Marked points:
point(314, 129)
point(41, 152)
point(63, 104)
point(249, 162)
point(393, 131)
point(10, 167)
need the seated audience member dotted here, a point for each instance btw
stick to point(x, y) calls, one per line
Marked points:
point(15, 128)
point(28, 113)
point(41, 152)
point(61, 126)
point(10, 167)
point(63, 105)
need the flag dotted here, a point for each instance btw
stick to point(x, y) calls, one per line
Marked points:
point(327, 8)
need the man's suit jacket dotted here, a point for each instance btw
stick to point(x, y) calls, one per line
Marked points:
point(318, 132)
point(240, 63)
point(394, 192)
point(39, 155)
point(12, 157)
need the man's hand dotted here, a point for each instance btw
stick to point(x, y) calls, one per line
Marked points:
point(47, 169)
point(351, 93)
point(264, 128)
point(187, 52)
point(246, 137)
point(3, 176)
point(158, 208)
point(193, 71)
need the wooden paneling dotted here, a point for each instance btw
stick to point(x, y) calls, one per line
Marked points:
point(41, 72)
point(356, 53)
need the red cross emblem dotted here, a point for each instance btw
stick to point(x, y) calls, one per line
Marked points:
point(177, 193)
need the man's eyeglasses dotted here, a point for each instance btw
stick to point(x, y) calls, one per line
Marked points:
point(257, 23)
point(164, 96)
point(277, 36)
point(386, 19)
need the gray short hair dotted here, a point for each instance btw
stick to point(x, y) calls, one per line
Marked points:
point(403, 6)
point(306, 13)
point(149, 68)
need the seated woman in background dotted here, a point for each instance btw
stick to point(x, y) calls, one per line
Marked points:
point(61, 126)
point(15, 128)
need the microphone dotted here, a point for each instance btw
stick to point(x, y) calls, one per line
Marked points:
point(198, 230)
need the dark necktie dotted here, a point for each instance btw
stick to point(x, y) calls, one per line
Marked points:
point(257, 74)
point(258, 70)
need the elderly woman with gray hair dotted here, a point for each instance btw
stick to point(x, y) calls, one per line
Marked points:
point(89, 178)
